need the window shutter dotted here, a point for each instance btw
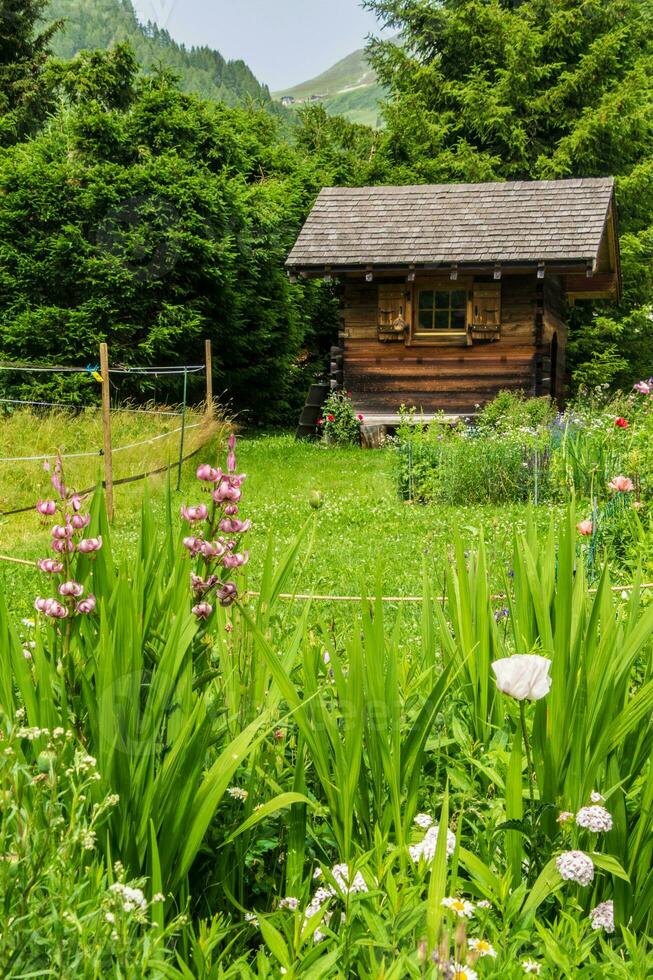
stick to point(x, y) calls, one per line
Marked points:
point(392, 311)
point(486, 311)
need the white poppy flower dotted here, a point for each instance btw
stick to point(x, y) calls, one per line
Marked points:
point(524, 677)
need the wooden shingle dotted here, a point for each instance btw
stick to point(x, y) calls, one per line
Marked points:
point(519, 221)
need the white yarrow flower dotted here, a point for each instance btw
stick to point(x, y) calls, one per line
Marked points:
point(576, 866)
point(236, 793)
point(595, 818)
point(423, 820)
point(596, 797)
point(602, 917)
point(426, 847)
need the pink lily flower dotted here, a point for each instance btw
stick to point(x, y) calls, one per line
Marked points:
point(643, 388)
point(585, 528)
point(203, 610)
point(228, 594)
point(50, 566)
point(236, 560)
point(89, 545)
point(52, 608)
point(71, 589)
point(87, 605)
point(62, 531)
point(192, 514)
point(46, 507)
point(207, 473)
point(232, 526)
point(80, 521)
point(61, 545)
point(213, 549)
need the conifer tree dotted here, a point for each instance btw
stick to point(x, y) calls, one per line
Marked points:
point(501, 90)
point(25, 95)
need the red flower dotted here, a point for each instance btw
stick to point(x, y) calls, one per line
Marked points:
point(320, 421)
point(331, 418)
point(349, 394)
point(621, 423)
point(361, 418)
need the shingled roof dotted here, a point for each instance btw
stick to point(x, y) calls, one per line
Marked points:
point(521, 221)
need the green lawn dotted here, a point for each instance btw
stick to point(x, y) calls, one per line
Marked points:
point(362, 527)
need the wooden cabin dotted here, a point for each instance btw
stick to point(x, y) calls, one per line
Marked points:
point(453, 292)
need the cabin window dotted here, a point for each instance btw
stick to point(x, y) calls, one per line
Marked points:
point(442, 309)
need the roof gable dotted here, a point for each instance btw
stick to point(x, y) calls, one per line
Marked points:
point(512, 222)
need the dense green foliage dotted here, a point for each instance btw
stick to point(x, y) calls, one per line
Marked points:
point(100, 24)
point(24, 49)
point(543, 89)
point(154, 220)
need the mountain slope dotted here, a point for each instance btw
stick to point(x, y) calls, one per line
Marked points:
point(349, 88)
point(101, 23)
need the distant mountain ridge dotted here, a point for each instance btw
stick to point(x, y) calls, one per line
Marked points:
point(100, 23)
point(349, 88)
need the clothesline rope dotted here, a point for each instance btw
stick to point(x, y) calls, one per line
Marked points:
point(87, 408)
point(62, 369)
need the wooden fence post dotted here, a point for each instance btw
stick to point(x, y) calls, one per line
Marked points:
point(106, 427)
point(208, 355)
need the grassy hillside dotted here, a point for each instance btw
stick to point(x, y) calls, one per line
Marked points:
point(349, 88)
point(101, 23)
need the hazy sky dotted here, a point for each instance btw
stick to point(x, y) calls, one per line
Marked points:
point(283, 41)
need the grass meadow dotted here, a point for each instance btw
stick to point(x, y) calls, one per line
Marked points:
point(208, 777)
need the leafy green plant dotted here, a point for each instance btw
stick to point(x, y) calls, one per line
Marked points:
point(340, 425)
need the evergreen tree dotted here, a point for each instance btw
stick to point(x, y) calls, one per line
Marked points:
point(25, 97)
point(492, 90)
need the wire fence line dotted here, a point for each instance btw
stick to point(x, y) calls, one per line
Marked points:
point(71, 407)
point(123, 481)
point(99, 452)
point(102, 373)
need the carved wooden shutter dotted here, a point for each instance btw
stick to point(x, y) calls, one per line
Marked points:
point(392, 311)
point(486, 311)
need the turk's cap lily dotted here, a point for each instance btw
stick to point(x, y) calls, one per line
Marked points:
point(585, 528)
point(524, 677)
point(47, 508)
point(89, 545)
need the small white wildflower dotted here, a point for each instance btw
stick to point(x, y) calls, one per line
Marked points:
point(236, 793)
point(461, 972)
point(29, 623)
point(252, 919)
point(290, 902)
point(576, 866)
point(530, 966)
point(460, 907)
point(112, 800)
point(426, 847)
point(159, 897)
point(110, 917)
point(20, 714)
point(88, 840)
point(318, 936)
point(602, 917)
point(318, 873)
point(484, 904)
point(482, 947)
point(423, 820)
point(596, 797)
point(340, 873)
point(58, 733)
point(595, 818)
point(565, 817)
point(132, 898)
